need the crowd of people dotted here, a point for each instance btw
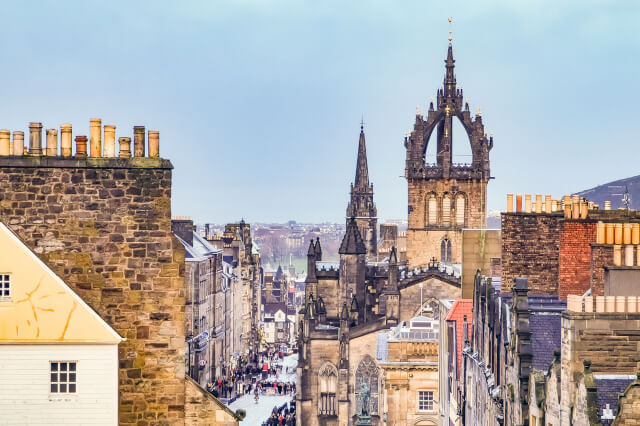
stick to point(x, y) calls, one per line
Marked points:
point(284, 415)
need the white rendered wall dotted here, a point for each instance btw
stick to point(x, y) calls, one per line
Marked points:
point(25, 378)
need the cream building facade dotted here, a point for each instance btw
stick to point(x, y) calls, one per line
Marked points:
point(58, 357)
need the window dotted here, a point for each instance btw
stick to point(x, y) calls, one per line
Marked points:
point(425, 400)
point(5, 287)
point(63, 377)
point(446, 210)
point(460, 210)
point(445, 251)
point(328, 384)
point(432, 210)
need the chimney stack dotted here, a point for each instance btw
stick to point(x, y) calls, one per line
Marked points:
point(5, 142)
point(52, 143)
point(65, 140)
point(81, 146)
point(109, 140)
point(18, 143)
point(154, 143)
point(95, 137)
point(35, 138)
point(138, 141)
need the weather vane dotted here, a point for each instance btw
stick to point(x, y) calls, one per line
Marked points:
point(450, 30)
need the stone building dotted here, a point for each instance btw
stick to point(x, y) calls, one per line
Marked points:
point(103, 224)
point(408, 356)
point(240, 298)
point(445, 197)
point(203, 276)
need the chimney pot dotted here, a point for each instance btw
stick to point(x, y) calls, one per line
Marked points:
point(607, 205)
point(35, 138)
point(138, 141)
point(95, 137)
point(547, 203)
point(154, 143)
point(527, 203)
point(65, 140)
point(519, 203)
point(125, 147)
point(538, 203)
point(509, 203)
point(18, 143)
point(5, 143)
point(81, 146)
point(52, 143)
point(109, 140)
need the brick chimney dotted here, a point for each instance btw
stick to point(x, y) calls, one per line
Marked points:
point(183, 227)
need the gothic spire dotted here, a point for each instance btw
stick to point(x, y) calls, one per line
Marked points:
point(450, 76)
point(362, 170)
point(352, 242)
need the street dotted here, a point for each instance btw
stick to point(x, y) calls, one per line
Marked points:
point(260, 412)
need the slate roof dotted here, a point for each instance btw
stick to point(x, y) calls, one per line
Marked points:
point(352, 242)
point(272, 308)
point(609, 386)
point(545, 338)
point(200, 250)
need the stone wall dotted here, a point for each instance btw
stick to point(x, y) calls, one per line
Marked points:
point(104, 226)
point(481, 249)
point(530, 248)
point(574, 273)
point(421, 245)
point(629, 406)
point(601, 256)
point(203, 408)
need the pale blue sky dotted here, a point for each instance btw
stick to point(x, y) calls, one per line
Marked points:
point(258, 103)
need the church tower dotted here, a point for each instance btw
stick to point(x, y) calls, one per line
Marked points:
point(445, 197)
point(361, 206)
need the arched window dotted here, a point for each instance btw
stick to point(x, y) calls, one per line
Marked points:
point(460, 210)
point(446, 210)
point(445, 250)
point(328, 386)
point(432, 206)
point(368, 372)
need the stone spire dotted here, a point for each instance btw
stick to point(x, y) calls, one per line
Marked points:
point(450, 76)
point(362, 170)
point(361, 206)
point(352, 242)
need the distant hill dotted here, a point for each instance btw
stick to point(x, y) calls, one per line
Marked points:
point(605, 192)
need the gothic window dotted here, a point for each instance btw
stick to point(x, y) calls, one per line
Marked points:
point(432, 208)
point(446, 210)
point(445, 250)
point(367, 372)
point(328, 386)
point(460, 210)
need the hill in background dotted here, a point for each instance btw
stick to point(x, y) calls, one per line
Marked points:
point(612, 191)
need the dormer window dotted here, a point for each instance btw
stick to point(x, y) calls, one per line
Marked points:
point(5, 287)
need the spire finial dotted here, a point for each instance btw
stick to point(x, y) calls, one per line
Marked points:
point(362, 123)
point(450, 28)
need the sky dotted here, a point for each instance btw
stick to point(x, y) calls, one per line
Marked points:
point(259, 103)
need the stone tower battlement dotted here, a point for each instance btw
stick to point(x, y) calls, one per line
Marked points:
point(103, 224)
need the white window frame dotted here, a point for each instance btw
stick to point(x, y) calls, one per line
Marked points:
point(5, 286)
point(68, 382)
point(433, 406)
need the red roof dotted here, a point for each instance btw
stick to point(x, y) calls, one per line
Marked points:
point(460, 308)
